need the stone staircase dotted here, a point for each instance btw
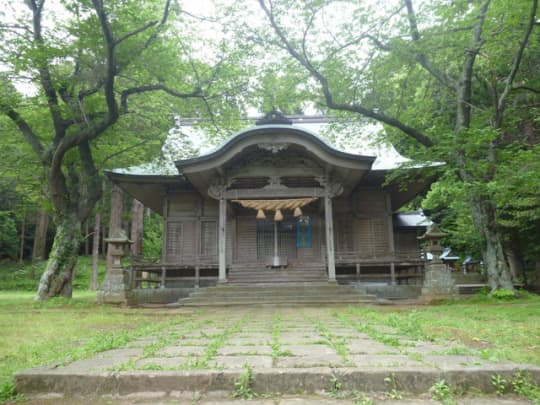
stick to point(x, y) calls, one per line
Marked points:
point(300, 293)
point(246, 274)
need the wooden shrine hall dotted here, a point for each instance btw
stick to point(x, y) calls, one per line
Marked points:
point(276, 203)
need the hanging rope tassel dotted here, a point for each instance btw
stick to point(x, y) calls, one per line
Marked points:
point(297, 212)
point(279, 216)
point(260, 214)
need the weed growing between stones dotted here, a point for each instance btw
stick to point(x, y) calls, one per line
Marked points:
point(243, 387)
point(334, 341)
point(166, 338)
point(394, 392)
point(499, 383)
point(275, 344)
point(368, 330)
point(152, 367)
point(359, 398)
point(335, 390)
point(441, 391)
point(523, 384)
point(217, 342)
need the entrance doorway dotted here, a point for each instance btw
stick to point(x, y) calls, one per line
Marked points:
point(286, 238)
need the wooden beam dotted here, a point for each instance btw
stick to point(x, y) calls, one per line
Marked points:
point(274, 193)
point(222, 240)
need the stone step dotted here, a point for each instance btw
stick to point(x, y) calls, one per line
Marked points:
point(174, 386)
point(272, 294)
point(289, 302)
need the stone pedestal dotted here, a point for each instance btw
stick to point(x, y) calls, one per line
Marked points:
point(116, 284)
point(438, 281)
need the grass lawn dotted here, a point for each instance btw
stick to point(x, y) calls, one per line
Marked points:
point(60, 330)
point(493, 329)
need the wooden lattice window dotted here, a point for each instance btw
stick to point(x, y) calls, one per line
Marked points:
point(344, 235)
point(208, 245)
point(175, 236)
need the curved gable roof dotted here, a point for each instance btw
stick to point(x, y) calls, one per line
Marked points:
point(275, 134)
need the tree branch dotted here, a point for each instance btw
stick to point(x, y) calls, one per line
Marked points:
point(197, 93)
point(43, 69)
point(355, 108)
point(111, 60)
point(27, 132)
point(464, 87)
point(421, 57)
point(135, 32)
point(516, 63)
point(118, 153)
point(526, 88)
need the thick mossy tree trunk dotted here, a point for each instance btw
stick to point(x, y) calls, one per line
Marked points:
point(498, 272)
point(57, 278)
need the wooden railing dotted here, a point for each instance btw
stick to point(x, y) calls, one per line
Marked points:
point(396, 267)
point(152, 273)
point(398, 258)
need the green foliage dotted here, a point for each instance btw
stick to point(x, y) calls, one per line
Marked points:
point(360, 398)
point(8, 235)
point(441, 391)
point(499, 383)
point(393, 392)
point(336, 388)
point(243, 387)
point(503, 294)
point(152, 235)
point(523, 385)
point(25, 276)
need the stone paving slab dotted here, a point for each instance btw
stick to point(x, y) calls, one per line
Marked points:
point(181, 350)
point(301, 351)
point(237, 349)
point(238, 362)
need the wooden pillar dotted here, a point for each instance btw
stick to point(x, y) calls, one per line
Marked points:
point(163, 277)
point(392, 274)
point(222, 251)
point(357, 271)
point(197, 276)
point(137, 227)
point(329, 227)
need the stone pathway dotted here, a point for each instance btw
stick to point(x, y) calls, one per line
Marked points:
point(300, 350)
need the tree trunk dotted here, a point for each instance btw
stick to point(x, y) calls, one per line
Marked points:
point(86, 236)
point(56, 280)
point(483, 214)
point(40, 235)
point(95, 252)
point(22, 237)
point(137, 218)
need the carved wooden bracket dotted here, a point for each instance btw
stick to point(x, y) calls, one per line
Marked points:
point(273, 147)
point(217, 191)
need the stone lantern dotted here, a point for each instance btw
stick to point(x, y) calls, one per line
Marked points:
point(114, 287)
point(433, 237)
point(438, 280)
